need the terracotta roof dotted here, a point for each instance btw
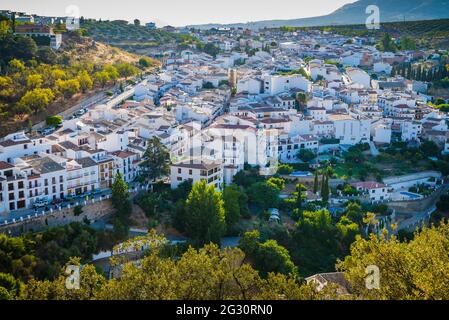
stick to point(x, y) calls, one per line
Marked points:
point(368, 185)
point(5, 165)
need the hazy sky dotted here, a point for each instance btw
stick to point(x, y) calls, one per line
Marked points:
point(181, 12)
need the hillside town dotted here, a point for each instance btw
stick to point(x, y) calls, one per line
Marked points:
point(292, 159)
point(290, 92)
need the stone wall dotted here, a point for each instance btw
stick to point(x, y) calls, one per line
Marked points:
point(417, 206)
point(92, 211)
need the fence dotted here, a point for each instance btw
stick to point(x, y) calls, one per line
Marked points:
point(87, 201)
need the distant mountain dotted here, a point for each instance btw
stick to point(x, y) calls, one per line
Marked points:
point(355, 13)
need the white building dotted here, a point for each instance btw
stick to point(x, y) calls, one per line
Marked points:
point(375, 191)
point(276, 84)
point(349, 130)
point(212, 173)
point(359, 77)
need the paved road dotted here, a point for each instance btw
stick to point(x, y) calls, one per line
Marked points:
point(373, 149)
point(86, 103)
point(99, 98)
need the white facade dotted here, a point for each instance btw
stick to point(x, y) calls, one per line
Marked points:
point(276, 84)
point(212, 173)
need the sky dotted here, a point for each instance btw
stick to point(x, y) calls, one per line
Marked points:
point(180, 12)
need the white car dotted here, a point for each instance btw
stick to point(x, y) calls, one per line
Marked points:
point(80, 112)
point(40, 203)
point(47, 131)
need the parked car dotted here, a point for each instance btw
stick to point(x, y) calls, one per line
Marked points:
point(57, 201)
point(47, 131)
point(40, 203)
point(80, 112)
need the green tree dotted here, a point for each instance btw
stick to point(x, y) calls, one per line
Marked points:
point(46, 55)
point(300, 188)
point(205, 274)
point(430, 149)
point(67, 87)
point(250, 242)
point(408, 270)
point(231, 198)
point(156, 162)
point(387, 44)
point(34, 81)
point(120, 193)
point(305, 155)
point(126, 70)
point(85, 81)
point(285, 169)
point(316, 183)
point(101, 78)
point(268, 256)
point(325, 188)
point(210, 49)
point(206, 215)
point(15, 66)
point(6, 88)
point(9, 287)
point(271, 257)
point(17, 257)
point(112, 72)
point(122, 205)
point(54, 120)
point(264, 195)
point(314, 245)
point(36, 100)
point(147, 62)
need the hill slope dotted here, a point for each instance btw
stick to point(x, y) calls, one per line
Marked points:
point(354, 13)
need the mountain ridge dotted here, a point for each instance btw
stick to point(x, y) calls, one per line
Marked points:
point(355, 13)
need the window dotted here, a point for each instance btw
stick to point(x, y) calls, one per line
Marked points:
point(53, 180)
point(21, 195)
point(190, 172)
point(179, 170)
point(179, 179)
point(25, 146)
point(11, 187)
point(21, 185)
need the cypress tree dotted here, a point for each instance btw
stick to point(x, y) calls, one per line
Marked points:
point(315, 183)
point(325, 188)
